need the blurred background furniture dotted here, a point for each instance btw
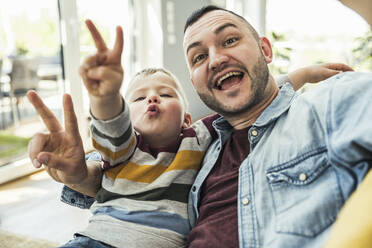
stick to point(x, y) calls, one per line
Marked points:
point(22, 78)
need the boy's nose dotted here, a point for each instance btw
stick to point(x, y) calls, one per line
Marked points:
point(154, 99)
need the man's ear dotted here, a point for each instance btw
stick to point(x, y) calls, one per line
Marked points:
point(266, 49)
point(187, 121)
point(192, 81)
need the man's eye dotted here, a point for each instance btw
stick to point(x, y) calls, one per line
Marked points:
point(199, 58)
point(165, 95)
point(139, 99)
point(230, 41)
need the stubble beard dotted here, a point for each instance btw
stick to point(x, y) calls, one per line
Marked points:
point(259, 77)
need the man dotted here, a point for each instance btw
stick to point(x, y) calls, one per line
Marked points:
point(261, 143)
point(284, 164)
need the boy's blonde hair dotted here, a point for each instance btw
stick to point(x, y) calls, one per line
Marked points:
point(150, 71)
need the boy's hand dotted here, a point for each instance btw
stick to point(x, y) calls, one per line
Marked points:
point(316, 73)
point(61, 151)
point(102, 72)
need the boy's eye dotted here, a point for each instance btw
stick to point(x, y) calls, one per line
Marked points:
point(230, 41)
point(139, 99)
point(199, 58)
point(165, 95)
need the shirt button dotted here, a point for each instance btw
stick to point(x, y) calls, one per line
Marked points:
point(72, 200)
point(302, 177)
point(193, 188)
point(254, 133)
point(245, 201)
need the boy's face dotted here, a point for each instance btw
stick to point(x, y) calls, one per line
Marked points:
point(156, 108)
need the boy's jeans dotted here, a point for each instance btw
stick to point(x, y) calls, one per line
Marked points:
point(84, 242)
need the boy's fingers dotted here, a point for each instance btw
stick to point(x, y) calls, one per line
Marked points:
point(46, 115)
point(103, 73)
point(94, 61)
point(71, 124)
point(119, 43)
point(97, 38)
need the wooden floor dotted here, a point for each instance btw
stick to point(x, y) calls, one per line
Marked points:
point(31, 206)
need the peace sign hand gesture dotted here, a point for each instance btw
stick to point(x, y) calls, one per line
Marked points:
point(102, 72)
point(61, 151)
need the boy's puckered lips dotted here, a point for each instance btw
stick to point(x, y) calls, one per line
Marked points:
point(153, 110)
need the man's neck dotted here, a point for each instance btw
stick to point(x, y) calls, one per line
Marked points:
point(247, 119)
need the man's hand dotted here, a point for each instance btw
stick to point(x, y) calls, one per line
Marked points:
point(316, 73)
point(61, 151)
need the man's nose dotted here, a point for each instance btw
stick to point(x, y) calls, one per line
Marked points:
point(216, 59)
point(154, 99)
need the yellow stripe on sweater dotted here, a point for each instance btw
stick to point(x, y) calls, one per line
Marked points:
point(184, 160)
point(114, 155)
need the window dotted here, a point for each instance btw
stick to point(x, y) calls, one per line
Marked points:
point(308, 32)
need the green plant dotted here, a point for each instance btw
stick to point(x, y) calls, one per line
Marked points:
point(362, 53)
point(36, 37)
point(21, 50)
point(282, 53)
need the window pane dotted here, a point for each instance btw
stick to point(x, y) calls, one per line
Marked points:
point(308, 32)
point(30, 59)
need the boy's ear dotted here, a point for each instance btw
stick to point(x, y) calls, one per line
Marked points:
point(187, 121)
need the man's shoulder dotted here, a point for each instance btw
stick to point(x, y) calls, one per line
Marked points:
point(352, 77)
point(341, 86)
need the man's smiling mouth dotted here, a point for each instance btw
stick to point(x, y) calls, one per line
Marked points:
point(228, 80)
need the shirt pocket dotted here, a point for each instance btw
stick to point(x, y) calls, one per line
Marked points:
point(305, 193)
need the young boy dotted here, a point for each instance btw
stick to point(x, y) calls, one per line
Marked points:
point(150, 152)
point(148, 173)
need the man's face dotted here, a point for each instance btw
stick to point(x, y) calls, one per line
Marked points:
point(226, 64)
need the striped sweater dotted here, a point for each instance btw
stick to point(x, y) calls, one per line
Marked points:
point(144, 194)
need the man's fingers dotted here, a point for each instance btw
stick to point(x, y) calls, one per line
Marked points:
point(71, 124)
point(46, 115)
point(35, 146)
point(338, 67)
point(118, 46)
point(52, 161)
point(97, 38)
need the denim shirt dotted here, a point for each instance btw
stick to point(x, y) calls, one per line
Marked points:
point(308, 154)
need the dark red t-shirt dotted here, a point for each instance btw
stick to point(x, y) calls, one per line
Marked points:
point(217, 224)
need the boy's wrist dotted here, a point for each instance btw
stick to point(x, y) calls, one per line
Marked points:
point(107, 99)
point(107, 107)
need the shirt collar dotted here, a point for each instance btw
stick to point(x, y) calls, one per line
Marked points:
point(281, 103)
